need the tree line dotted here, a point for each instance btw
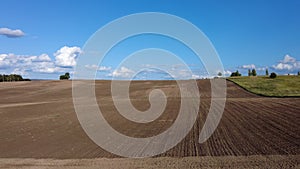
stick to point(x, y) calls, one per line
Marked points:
point(253, 73)
point(12, 78)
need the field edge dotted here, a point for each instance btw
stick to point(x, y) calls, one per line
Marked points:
point(255, 161)
point(259, 94)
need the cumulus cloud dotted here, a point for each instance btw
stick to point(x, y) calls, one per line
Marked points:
point(251, 66)
point(10, 33)
point(224, 72)
point(262, 68)
point(22, 64)
point(167, 71)
point(66, 56)
point(227, 72)
point(282, 66)
point(12, 59)
point(288, 59)
point(123, 72)
point(196, 77)
point(19, 71)
point(4, 61)
point(178, 72)
point(44, 57)
point(288, 63)
point(45, 67)
point(98, 68)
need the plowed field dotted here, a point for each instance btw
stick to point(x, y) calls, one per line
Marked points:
point(38, 120)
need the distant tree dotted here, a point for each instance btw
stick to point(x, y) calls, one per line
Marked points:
point(249, 72)
point(273, 75)
point(298, 73)
point(237, 73)
point(10, 78)
point(267, 72)
point(63, 77)
point(219, 74)
point(66, 76)
point(15, 77)
point(253, 72)
point(233, 74)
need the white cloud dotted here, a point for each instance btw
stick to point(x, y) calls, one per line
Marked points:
point(180, 73)
point(123, 72)
point(227, 72)
point(224, 73)
point(172, 71)
point(202, 77)
point(44, 67)
point(66, 56)
point(288, 63)
point(4, 61)
point(44, 57)
point(288, 59)
point(282, 66)
point(98, 68)
point(22, 64)
point(11, 33)
point(262, 68)
point(104, 68)
point(19, 71)
point(251, 66)
point(195, 77)
point(13, 60)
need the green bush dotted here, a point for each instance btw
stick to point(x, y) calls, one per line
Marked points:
point(66, 76)
point(237, 73)
point(273, 75)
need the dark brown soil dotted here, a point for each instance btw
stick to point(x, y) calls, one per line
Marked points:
point(37, 120)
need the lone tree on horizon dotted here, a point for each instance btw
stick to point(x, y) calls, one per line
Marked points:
point(253, 72)
point(249, 72)
point(66, 76)
point(267, 72)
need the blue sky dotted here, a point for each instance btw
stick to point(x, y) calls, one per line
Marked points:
point(42, 39)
